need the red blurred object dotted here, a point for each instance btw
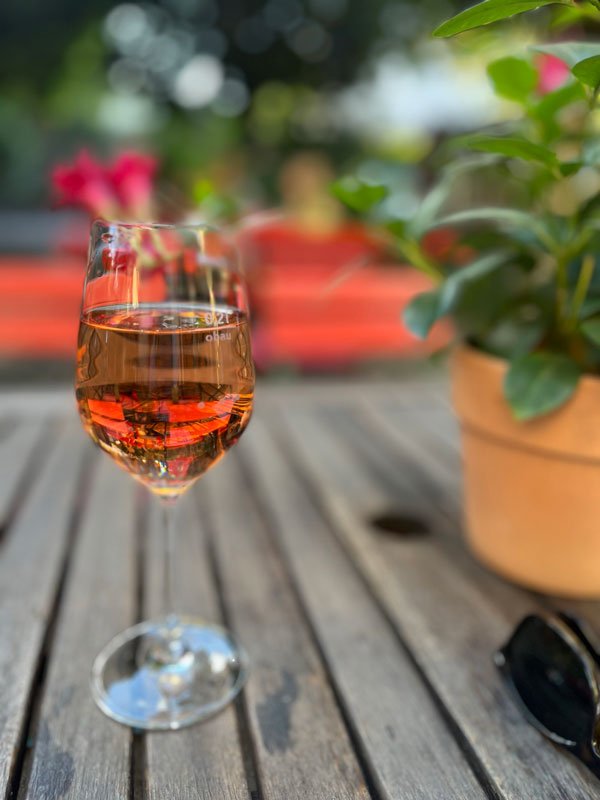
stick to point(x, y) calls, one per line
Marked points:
point(553, 73)
point(132, 176)
point(85, 184)
point(39, 306)
point(440, 244)
point(328, 300)
point(122, 189)
point(319, 300)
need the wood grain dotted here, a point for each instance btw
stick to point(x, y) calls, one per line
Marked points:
point(80, 753)
point(301, 745)
point(30, 569)
point(450, 617)
point(18, 442)
point(204, 762)
point(411, 753)
point(425, 441)
point(371, 654)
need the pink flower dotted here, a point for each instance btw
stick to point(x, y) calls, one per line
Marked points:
point(122, 189)
point(85, 184)
point(132, 176)
point(553, 73)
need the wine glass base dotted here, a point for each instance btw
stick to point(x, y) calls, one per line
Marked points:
point(132, 686)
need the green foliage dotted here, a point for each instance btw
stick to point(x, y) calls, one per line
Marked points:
point(523, 226)
point(426, 309)
point(358, 195)
point(589, 307)
point(591, 330)
point(531, 293)
point(490, 11)
point(513, 78)
point(538, 383)
point(422, 313)
point(588, 71)
point(514, 147)
point(548, 107)
point(217, 206)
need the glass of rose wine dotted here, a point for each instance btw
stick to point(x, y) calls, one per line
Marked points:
point(165, 385)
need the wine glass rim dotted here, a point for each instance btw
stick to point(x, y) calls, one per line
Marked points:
point(174, 226)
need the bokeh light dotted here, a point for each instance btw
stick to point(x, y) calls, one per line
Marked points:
point(198, 82)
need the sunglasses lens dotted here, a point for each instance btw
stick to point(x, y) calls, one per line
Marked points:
point(551, 680)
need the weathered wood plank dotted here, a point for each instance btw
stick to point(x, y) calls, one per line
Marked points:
point(18, 442)
point(417, 440)
point(399, 474)
point(30, 567)
point(79, 753)
point(28, 404)
point(411, 753)
point(425, 390)
point(302, 747)
point(451, 620)
point(203, 762)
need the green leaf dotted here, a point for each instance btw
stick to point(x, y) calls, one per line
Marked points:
point(569, 16)
point(514, 335)
point(589, 208)
point(570, 52)
point(513, 147)
point(588, 71)
point(421, 314)
point(590, 307)
point(568, 168)
point(513, 78)
point(509, 218)
point(397, 227)
point(358, 195)
point(555, 101)
point(458, 280)
point(433, 202)
point(424, 311)
point(591, 331)
point(538, 383)
point(487, 12)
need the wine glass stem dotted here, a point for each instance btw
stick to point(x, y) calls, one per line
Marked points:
point(171, 621)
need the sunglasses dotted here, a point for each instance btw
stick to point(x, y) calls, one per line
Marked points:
point(554, 671)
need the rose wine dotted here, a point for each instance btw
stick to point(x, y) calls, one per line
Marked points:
point(165, 389)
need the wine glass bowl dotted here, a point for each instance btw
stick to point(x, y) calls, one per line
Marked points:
point(164, 386)
point(165, 377)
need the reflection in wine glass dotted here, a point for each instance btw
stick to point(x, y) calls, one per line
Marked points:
point(165, 385)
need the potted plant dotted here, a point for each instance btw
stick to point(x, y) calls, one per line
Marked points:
point(526, 373)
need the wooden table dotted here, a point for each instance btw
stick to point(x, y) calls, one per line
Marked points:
point(371, 652)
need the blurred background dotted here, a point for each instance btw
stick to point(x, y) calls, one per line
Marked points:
point(249, 110)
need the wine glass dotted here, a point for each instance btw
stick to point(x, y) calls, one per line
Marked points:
point(165, 384)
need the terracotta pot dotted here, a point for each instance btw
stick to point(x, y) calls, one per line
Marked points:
point(532, 490)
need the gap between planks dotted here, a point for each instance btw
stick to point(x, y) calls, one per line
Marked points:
point(23, 453)
point(302, 745)
point(19, 778)
point(387, 775)
point(368, 776)
point(473, 588)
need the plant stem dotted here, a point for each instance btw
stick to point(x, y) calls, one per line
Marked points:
point(169, 565)
point(415, 255)
point(581, 289)
point(562, 290)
